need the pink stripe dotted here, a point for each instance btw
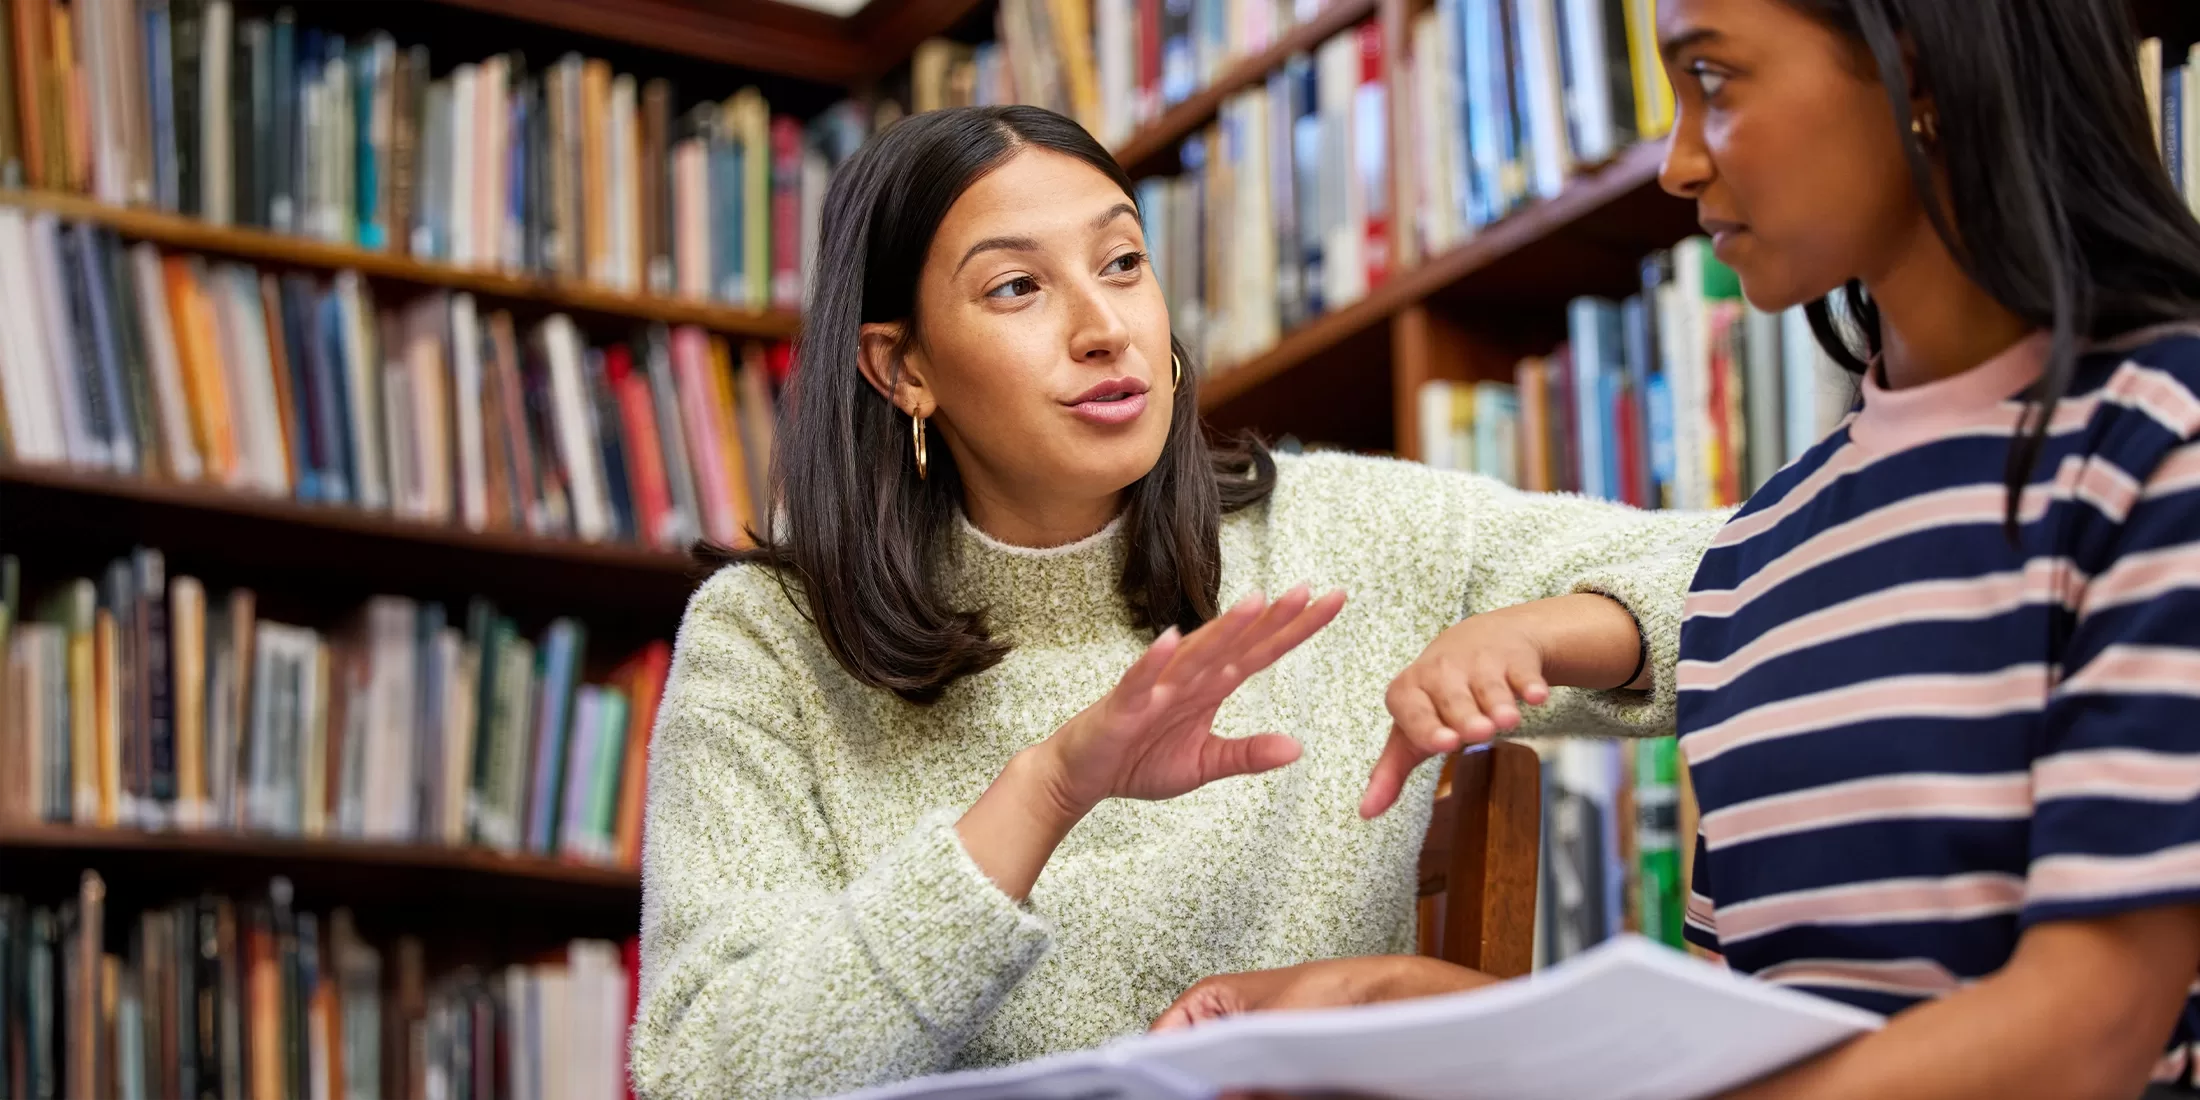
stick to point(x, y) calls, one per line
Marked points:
point(2143, 575)
point(2138, 775)
point(1969, 504)
point(1700, 912)
point(1844, 462)
point(2158, 394)
point(1956, 897)
point(1923, 601)
point(2018, 688)
point(2138, 670)
point(1902, 977)
point(2084, 878)
point(1880, 798)
point(2178, 473)
point(2172, 1066)
point(2107, 488)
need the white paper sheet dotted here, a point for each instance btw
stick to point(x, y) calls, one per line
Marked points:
point(1630, 1020)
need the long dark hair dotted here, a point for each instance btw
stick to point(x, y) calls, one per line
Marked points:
point(856, 529)
point(2059, 206)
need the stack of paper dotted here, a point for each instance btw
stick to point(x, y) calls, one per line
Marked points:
point(1630, 1020)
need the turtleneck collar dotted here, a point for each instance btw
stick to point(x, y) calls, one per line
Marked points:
point(1893, 420)
point(1033, 595)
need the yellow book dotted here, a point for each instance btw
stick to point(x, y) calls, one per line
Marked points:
point(726, 421)
point(752, 126)
point(187, 646)
point(107, 715)
point(205, 390)
point(1072, 21)
point(83, 725)
point(595, 179)
point(69, 105)
point(1653, 93)
point(2150, 78)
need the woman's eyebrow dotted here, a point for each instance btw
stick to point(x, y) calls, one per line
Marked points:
point(1030, 244)
point(1672, 46)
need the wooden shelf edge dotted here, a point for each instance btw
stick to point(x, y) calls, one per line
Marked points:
point(344, 519)
point(764, 35)
point(191, 234)
point(261, 846)
point(1154, 140)
point(1591, 190)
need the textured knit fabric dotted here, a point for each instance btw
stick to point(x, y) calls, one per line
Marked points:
point(811, 922)
point(1911, 740)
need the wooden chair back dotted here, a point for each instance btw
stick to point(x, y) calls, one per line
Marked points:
point(1478, 865)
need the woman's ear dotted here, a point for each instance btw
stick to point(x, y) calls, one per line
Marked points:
point(894, 374)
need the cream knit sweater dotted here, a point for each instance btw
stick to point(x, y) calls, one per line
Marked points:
point(810, 922)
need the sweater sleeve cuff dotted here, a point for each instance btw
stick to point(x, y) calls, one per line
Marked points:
point(939, 932)
point(1655, 590)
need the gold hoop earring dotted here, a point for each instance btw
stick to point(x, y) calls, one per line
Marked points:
point(916, 431)
point(1925, 127)
point(1176, 372)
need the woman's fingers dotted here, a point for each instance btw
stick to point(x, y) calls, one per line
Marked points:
point(1214, 641)
point(1290, 633)
point(1414, 714)
point(1494, 694)
point(1138, 681)
point(1528, 685)
point(1457, 709)
point(1398, 760)
point(1223, 757)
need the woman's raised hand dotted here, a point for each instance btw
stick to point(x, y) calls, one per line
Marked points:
point(1152, 737)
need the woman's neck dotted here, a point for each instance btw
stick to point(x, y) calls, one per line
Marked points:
point(1936, 321)
point(1056, 520)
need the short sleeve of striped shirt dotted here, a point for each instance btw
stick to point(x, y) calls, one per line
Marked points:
point(2116, 783)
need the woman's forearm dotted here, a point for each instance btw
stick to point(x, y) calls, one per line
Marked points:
point(1013, 828)
point(1588, 641)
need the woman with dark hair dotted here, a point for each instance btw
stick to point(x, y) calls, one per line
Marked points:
point(998, 626)
point(1938, 677)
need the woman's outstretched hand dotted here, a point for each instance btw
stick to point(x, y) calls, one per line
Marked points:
point(1153, 737)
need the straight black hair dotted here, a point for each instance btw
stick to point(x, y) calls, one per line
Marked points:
point(854, 527)
point(2059, 206)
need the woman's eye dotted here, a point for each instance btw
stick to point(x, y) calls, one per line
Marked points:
point(1708, 80)
point(1126, 263)
point(1015, 288)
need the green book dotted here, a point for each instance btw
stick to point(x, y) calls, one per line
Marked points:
point(1657, 840)
point(610, 754)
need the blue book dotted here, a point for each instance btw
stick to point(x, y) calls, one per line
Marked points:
point(516, 239)
point(559, 664)
point(580, 769)
point(310, 55)
point(727, 253)
point(366, 70)
point(1306, 170)
point(2173, 125)
point(1179, 59)
point(331, 399)
point(295, 300)
point(1658, 412)
point(1585, 333)
point(109, 401)
point(1486, 91)
point(281, 159)
point(160, 89)
point(607, 423)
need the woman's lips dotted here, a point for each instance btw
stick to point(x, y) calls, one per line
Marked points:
point(1121, 410)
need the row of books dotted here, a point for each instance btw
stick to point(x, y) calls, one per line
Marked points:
point(1679, 397)
point(1113, 65)
point(1282, 212)
point(1618, 843)
point(1510, 97)
point(177, 368)
point(2172, 83)
point(255, 999)
point(569, 170)
point(137, 699)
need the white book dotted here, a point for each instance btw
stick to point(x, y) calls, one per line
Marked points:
point(488, 106)
point(520, 1002)
point(389, 796)
point(1434, 422)
point(1549, 158)
point(215, 168)
point(49, 278)
point(1764, 420)
point(160, 350)
point(1115, 38)
point(473, 477)
point(408, 496)
point(554, 990)
point(2191, 182)
point(460, 710)
point(313, 745)
point(1344, 209)
point(26, 379)
point(576, 435)
point(465, 81)
point(432, 413)
point(1588, 95)
point(1437, 216)
point(262, 417)
point(343, 178)
point(92, 51)
point(362, 369)
point(1628, 1019)
point(619, 202)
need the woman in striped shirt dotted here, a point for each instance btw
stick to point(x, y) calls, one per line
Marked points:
point(1940, 679)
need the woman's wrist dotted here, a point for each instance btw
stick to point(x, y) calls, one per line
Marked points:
point(1587, 640)
point(1405, 977)
point(1013, 828)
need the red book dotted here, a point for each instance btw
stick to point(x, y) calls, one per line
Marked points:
point(779, 358)
point(630, 957)
point(643, 679)
point(645, 458)
point(1149, 59)
point(786, 213)
point(1627, 433)
point(1373, 111)
point(1566, 441)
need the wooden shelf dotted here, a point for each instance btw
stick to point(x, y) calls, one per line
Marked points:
point(1152, 149)
point(1487, 257)
point(175, 231)
point(340, 546)
point(750, 34)
point(455, 885)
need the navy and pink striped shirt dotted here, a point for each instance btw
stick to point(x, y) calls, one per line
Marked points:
point(1912, 739)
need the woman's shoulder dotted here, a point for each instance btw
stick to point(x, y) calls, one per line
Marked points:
point(1332, 476)
point(745, 612)
point(2152, 374)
